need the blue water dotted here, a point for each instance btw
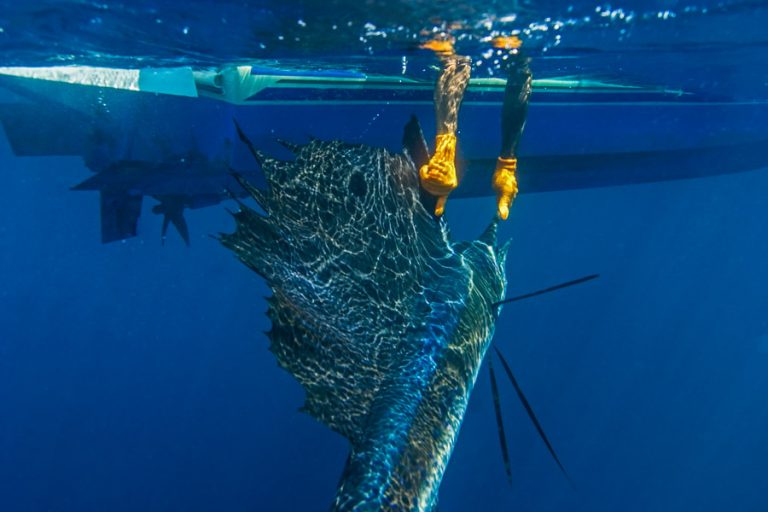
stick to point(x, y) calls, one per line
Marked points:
point(135, 375)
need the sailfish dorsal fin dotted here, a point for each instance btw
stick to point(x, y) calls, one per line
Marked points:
point(340, 220)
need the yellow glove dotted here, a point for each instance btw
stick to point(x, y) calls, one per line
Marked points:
point(441, 46)
point(505, 184)
point(438, 177)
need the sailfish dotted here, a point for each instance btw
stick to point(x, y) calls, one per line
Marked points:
point(380, 316)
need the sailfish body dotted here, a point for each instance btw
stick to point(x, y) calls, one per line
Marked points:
point(381, 318)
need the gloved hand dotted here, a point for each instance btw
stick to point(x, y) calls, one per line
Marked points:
point(505, 184)
point(438, 177)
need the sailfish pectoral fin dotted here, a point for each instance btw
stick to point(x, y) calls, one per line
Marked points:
point(528, 409)
point(530, 412)
point(499, 421)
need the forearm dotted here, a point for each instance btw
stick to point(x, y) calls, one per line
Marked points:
point(515, 109)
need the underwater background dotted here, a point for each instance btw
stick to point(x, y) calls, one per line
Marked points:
point(135, 375)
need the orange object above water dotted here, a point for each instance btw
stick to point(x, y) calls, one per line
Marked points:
point(441, 45)
point(507, 42)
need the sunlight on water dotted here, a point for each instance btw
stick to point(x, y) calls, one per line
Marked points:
point(592, 40)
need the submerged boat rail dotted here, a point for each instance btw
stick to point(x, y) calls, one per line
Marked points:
point(255, 84)
point(580, 133)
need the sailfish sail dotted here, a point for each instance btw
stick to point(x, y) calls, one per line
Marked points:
point(374, 311)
